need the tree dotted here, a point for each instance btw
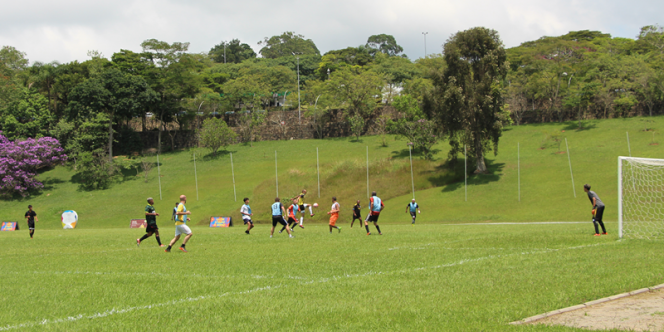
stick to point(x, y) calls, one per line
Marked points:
point(396, 71)
point(467, 98)
point(286, 44)
point(413, 126)
point(248, 123)
point(356, 123)
point(113, 93)
point(357, 90)
point(385, 44)
point(215, 134)
point(27, 116)
point(231, 52)
point(20, 160)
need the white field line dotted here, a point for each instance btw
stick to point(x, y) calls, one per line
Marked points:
point(143, 274)
point(321, 280)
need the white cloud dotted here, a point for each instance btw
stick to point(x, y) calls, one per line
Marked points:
point(65, 30)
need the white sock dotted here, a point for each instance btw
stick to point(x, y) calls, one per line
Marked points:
point(310, 212)
point(301, 220)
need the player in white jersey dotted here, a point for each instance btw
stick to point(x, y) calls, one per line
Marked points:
point(245, 210)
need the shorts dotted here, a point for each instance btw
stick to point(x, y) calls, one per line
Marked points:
point(333, 219)
point(31, 226)
point(413, 214)
point(302, 208)
point(278, 220)
point(247, 221)
point(292, 220)
point(182, 229)
point(151, 228)
point(356, 216)
point(373, 218)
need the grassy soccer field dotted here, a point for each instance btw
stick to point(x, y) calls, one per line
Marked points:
point(430, 277)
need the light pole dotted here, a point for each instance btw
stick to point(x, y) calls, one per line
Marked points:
point(328, 74)
point(425, 43)
point(225, 52)
point(298, 85)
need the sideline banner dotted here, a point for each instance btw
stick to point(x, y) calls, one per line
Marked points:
point(138, 223)
point(8, 226)
point(220, 222)
point(69, 219)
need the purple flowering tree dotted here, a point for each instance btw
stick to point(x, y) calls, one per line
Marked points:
point(20, 160)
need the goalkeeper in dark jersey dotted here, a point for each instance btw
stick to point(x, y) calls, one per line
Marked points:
point(598, 209)
point(357, 214)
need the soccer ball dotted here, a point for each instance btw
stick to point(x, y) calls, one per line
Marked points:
point(315, 204)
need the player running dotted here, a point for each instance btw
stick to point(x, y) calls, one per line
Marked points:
point(31, 218)
point(278, 212)
point(181, 225)
point(302, 206)
point(292, 216)
point(246, 215)
point(357, 214)
point(598, 209)
point(414, 209)
point(151, 220)
point(334, 215)
point(375, 206)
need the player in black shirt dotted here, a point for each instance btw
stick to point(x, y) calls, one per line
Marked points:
point(356, 213)
point(151, 220)
point(31, 217)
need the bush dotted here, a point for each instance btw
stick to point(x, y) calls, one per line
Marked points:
point(215, 134)
point(356, 126)
point(19, 162)
point(95, 170)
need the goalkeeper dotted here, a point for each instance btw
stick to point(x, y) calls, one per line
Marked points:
point(598, 209)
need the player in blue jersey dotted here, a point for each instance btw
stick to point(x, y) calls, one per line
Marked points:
point(375, 207)
point(414, 209)
point(278, 212)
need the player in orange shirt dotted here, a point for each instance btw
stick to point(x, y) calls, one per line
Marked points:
point(334, 215)
point(292, 216)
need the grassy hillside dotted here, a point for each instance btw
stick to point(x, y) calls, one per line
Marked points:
point(546, 188)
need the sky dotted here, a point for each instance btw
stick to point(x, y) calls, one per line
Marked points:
point(65, 30)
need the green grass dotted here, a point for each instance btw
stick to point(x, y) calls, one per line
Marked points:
point(431, 277)
point(546, 188)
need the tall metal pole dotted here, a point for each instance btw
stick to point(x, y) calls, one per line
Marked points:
point(368, 172)
point(570, 167)
point(465, 171)
point(298, 90)
point(196, 175)
point(629, 148)
point(412, 180)
point(224, 52)
point(318, 170)
point(620, 196)
point(518, 167)
point(233, 172)
point(425, 43)
point(159, 176)
point(276, 174)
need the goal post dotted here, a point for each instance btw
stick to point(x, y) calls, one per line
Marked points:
point(640, 198)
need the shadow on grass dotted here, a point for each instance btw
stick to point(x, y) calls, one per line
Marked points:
point(579, 126)
point(404, 153)
point(215, 156)
point(453, 177)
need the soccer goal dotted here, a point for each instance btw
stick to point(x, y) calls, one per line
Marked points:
point(641, 198)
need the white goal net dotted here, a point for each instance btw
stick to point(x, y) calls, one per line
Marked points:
point(641, 198)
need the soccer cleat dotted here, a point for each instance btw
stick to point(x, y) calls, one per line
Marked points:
point(246, 232)
point(280, 232)
point(162, 245)
point(291, 236)
point(301, 226)
point(183, 249)
point(597, 234)
point(270, 236)
point(339, 229)
point(605, 233)
point(167, 250)
point(312, 215)
point(138, 242)
point(380, 233)
point(369, 233)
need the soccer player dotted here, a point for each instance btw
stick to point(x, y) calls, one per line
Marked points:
point(292, 216)
point(303, 206)
point(181, 225)
point(414, 209)
point(278, 212)
point(375, 206)
point(246, 215)
point(598, 209)
point(356, 213)
point(175, 212)
point(31, 218)
point(151, 219)
point(334, 215)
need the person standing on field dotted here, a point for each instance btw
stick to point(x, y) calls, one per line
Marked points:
point(278, 212)
point(598, 209)
point(302, 206)
point(414, 209)
point(181, 225)
point(375, 206)
point(292, 216)
point(357, 213)
point(246, 215)
point(31, 218)
point(151, 220)
point(334, 215)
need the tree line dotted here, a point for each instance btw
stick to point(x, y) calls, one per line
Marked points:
point(464, 95)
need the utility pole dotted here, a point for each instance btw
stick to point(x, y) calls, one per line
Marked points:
point(298, 87)
point(225, 52)
point(425, 43)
